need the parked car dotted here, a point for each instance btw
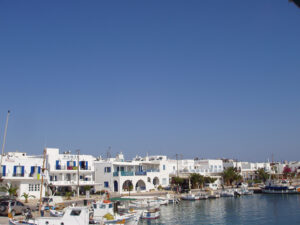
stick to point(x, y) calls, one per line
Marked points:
point(16, 207)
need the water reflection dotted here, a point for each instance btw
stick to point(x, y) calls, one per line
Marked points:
point(256, 209)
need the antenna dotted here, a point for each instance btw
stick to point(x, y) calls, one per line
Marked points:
point(108, 155)
point(4, 139)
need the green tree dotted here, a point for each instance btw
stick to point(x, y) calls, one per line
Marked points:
point(27, 196)
point(209, 180)
point(69, 195)
point(197, 180)
point(262, 175)
point(230, 175)
point(177, 181)
point(12, 191)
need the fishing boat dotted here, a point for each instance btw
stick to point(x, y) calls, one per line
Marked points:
point(202, 196)
point(151, 214)
point(104, 212)
point(72, 216)
point(281, 187)
point(227, 193)
point(190, 197)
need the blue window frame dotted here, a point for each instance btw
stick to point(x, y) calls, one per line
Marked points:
point(106, 184)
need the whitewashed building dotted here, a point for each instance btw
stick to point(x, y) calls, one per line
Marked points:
point(138, 175)
point(23, 171)
point(63, 170)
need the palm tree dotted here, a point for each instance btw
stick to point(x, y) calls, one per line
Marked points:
point(230, 175)
point(12, 191)
point(69, 195)
point(262, 175)
point(196, 180)
point(27, 196)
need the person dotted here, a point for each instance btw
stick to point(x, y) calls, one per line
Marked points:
point(42, 210)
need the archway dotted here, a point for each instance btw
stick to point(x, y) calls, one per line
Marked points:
point(127, 185)
point(155, 181)
point(116, 188)
point(140, 185)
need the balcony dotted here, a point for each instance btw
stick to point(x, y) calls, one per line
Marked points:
point(141, 173)
point(126, 173)
point(85, 168)
point(123, 173)
point(18, 175)
point(153, 170)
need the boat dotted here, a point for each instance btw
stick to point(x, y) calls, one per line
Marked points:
point(190, 197)
point(170, 198)
point(213, 194)
point(151, 214)
point(103, 212)
point(72, 216)
point(281, 187)
point(144, 204)
point(202, 196)
point(55, 213)
point(227, 193)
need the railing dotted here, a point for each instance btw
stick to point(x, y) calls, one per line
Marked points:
point(126, 173)
point(116, 174)
point(152, 170)
point(18, 175)
point(141, 173)
point(85, 168)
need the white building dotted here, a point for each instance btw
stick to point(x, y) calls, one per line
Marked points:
point(248, 169)
point(138, 175)
point(63, 170)
point(23, 171)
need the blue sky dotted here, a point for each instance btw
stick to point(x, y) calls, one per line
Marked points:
point(198, 78)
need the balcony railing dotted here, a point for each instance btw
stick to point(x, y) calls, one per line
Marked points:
point(153, 170)
point(116, 174)
point(126, 173)
point(123, 173)
point(85, 168)
point(140, 173)
point(18, 175)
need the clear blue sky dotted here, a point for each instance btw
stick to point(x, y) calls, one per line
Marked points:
point(199, 78)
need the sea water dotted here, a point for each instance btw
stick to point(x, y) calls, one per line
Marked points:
point(244, 210)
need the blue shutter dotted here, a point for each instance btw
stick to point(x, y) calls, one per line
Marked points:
point(80, 163)
point(22, 171)
point(74, 163)
point(15, 170)
point(86, 165)
point(68, 163)
point(39, 170)
point(57, 164)
point(32, 170)
point(4, 170)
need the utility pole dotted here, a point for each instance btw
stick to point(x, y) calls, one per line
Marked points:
point(4, 140)
point(78, 151)
point(42, 181)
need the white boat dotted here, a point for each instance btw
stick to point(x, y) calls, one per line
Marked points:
point(55, 213)
point(227, 193)
point(144, 204)
point(151, 214)
point(190, 197)
point(72, 216)
point(202, 196)
point(103, 212)
point(170, 198)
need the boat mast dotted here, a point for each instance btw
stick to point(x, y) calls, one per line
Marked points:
point(42, 181)
point(4, 140)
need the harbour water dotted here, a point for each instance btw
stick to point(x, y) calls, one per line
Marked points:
point(255, 209)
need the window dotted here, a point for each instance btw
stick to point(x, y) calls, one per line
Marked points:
point(33, 187)
point(164, 181)
point(75, 212)
point(164, 167)
point(107, 169)
point(106, 184)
